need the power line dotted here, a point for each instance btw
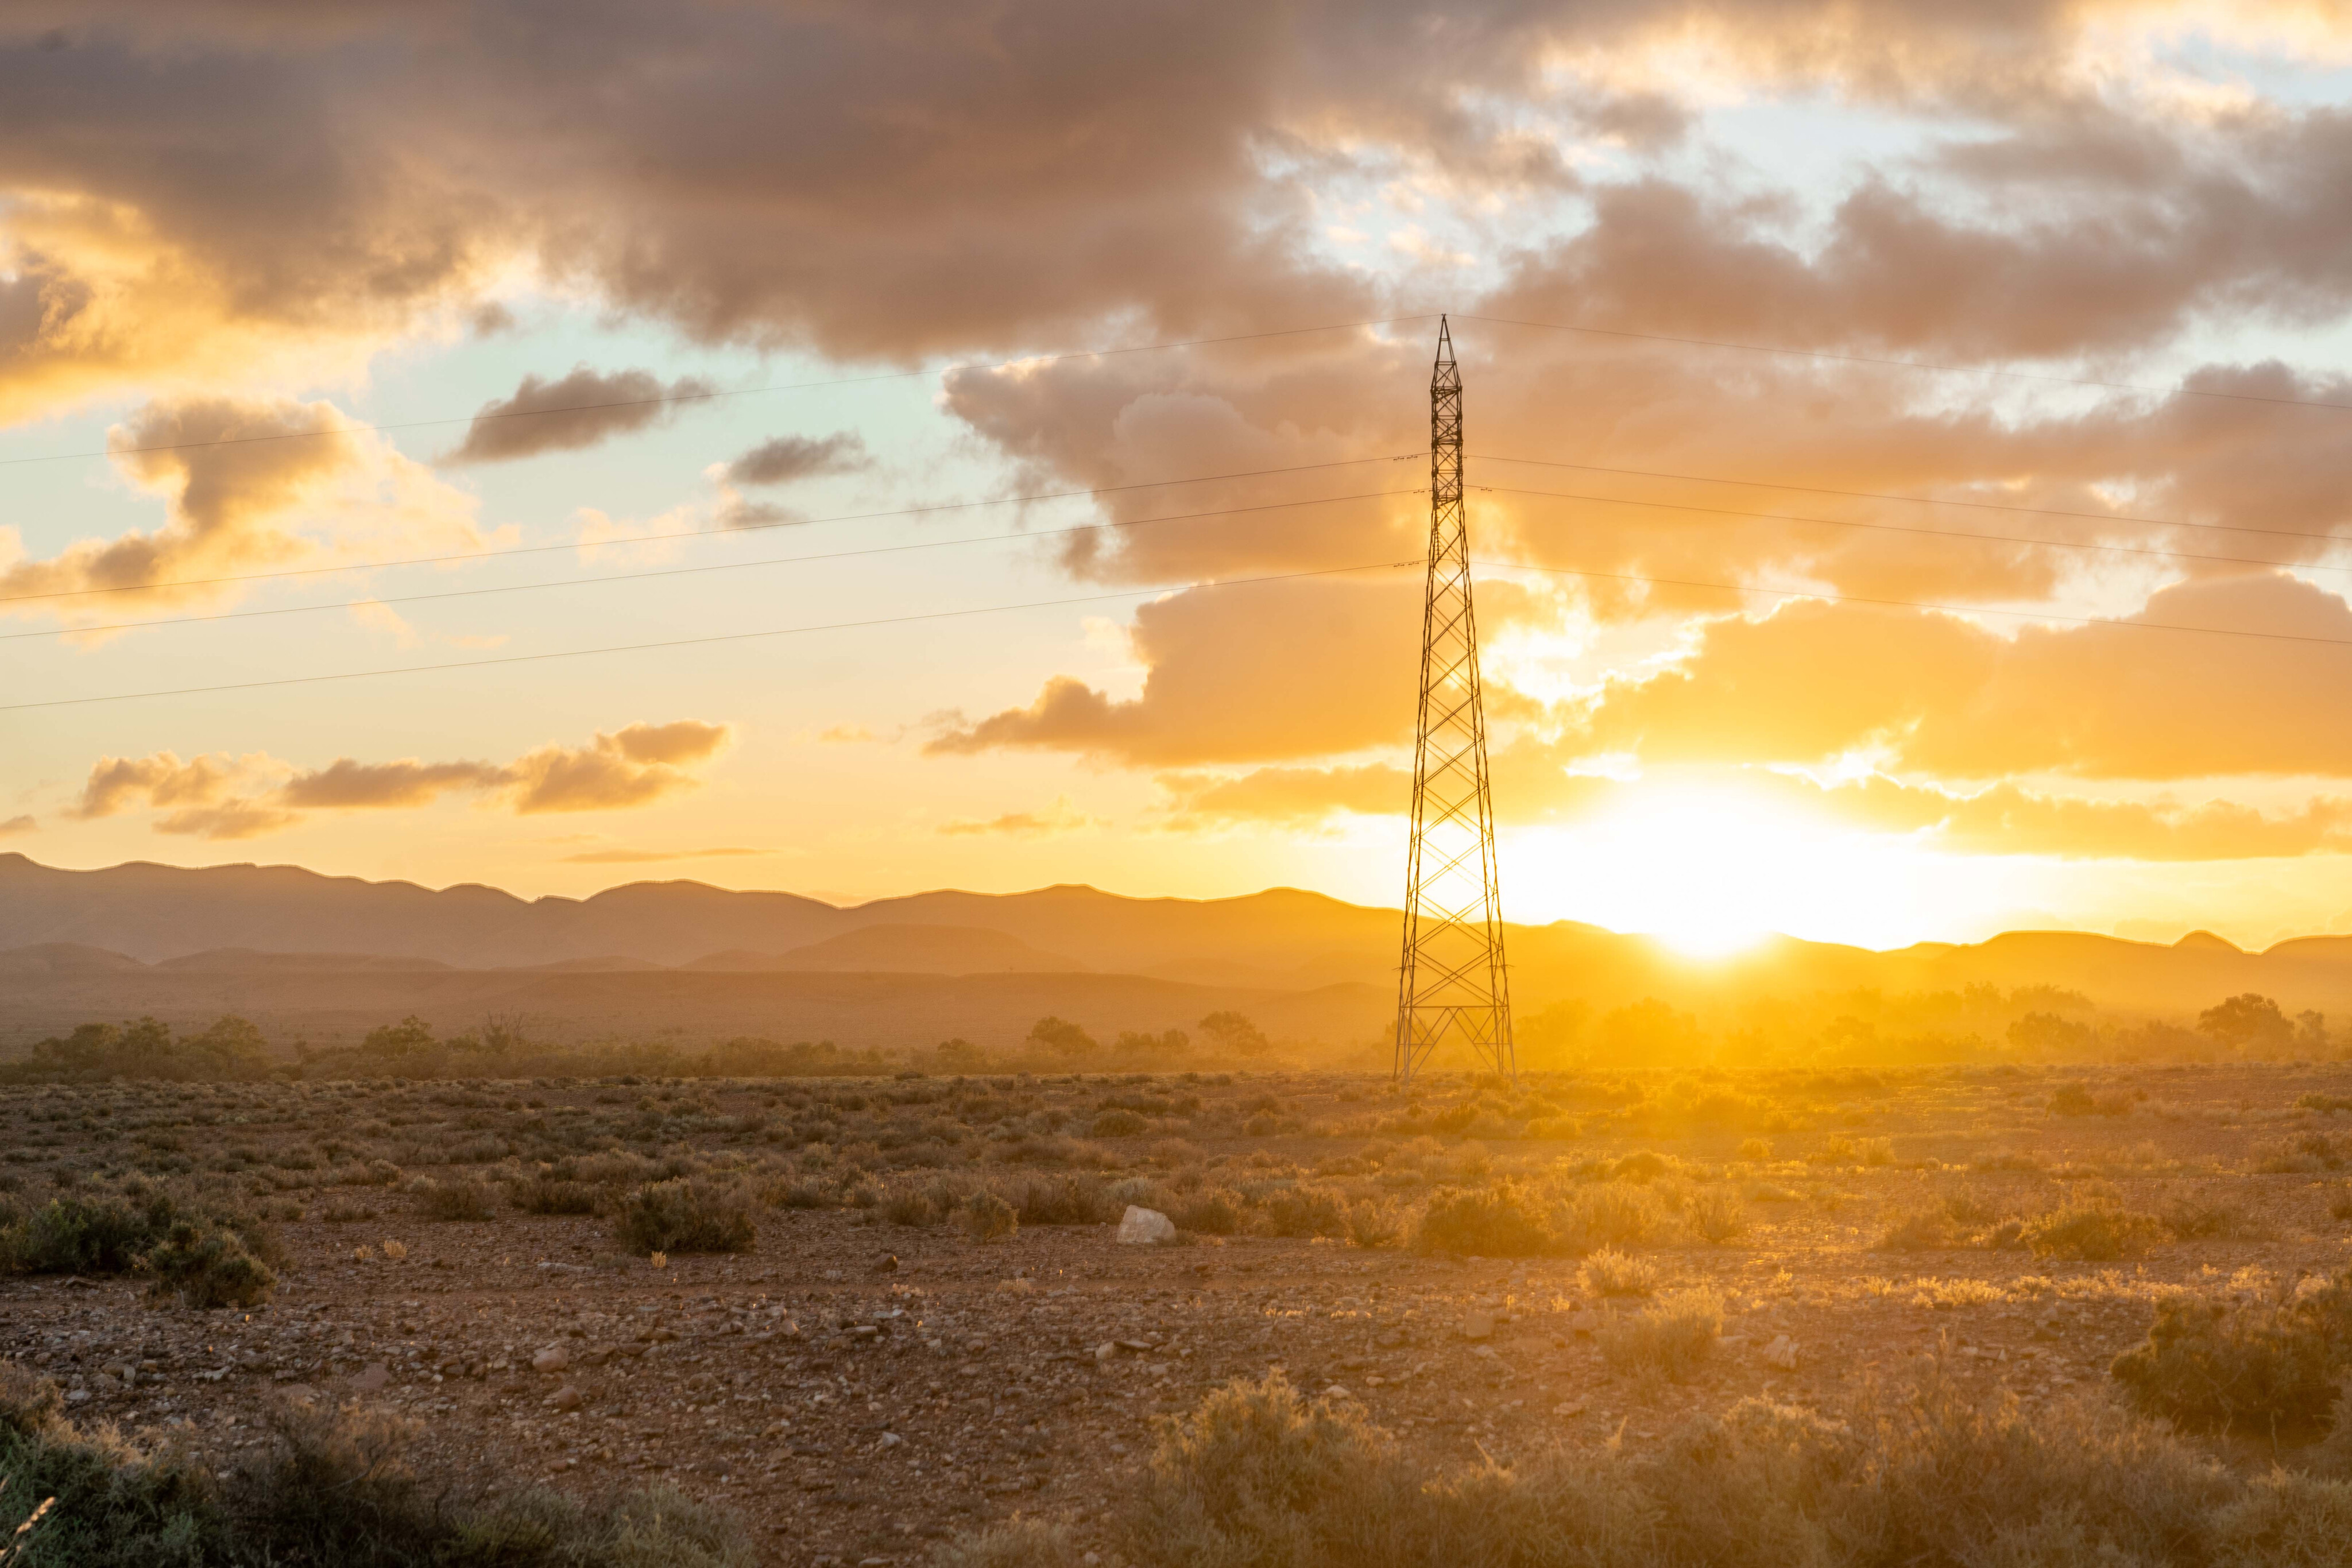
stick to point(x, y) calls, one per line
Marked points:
point(668, 398)
point(1920, 604)
point(729, 531)
point(1916, 500)
point(692, 570)
point(1906, 528)
point(1415, 563)
point(720, 637)
point(1893, 363)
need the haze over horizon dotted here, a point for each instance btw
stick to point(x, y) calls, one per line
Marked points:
point(1757, 310)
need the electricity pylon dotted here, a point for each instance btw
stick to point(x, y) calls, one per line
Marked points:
point(1453, 983)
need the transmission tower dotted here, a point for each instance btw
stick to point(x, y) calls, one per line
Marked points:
point(1452, 984)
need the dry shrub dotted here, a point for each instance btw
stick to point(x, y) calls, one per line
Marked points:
point(1610, 1272)
point(1610, 1213)
point(1929, 1229)
point(2093, 1233)
point(1118, 1124)
point(911, 1205)
point(1933, 1478)
point(2248, 1366)
point(2189, 1219)
point(1304, 1211)
point(1503, 1220)
point(693, 1214)
point(988, 1217)
point(553, 1195)
point(1668, 1339)
point(1716, 1215)
point(1064, 1201)
point(1213, 1211)
point(1375, 1222)
point(461, 1200)
point(1017, 1543)
point(2339, 1202)
point(206, 1267)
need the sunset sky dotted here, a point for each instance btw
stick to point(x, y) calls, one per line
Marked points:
point(1853, 284)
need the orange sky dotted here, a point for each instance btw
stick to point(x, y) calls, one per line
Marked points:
point(2006, 589)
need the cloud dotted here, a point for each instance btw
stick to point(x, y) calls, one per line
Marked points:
point(1941, 694)
point(1061, 817)
point(1259, 672)
point(17, 825)
point(1300, 797)
point(348, 785)
point(220, 797)
point(115, 783)
point(644, 857)
point(789, 457)
point(683, 741)
point(634, 767)
point(247, 486)
point(572, 411)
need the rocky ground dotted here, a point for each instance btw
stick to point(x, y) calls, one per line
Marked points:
point(856, 1389)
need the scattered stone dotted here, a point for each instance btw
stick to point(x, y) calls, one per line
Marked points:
point(554, 1358)
point(1021, 1287)
point(1478, 1326)
point(1782, 1352)
point(887, 1264)
point(1105, 1351)
point(370, 1378)
point(566, 1398)
point(1145, 1227)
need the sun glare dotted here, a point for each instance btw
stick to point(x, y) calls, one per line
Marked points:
point(1712, 868)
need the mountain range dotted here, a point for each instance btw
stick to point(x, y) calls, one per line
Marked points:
point(333, 955)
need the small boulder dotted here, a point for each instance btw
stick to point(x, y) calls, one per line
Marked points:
point(1478, 1326)
point(565, 1398)
point(1782, 1352)
point(554, 1358)
point(370, 1378)
point(1145, 1227)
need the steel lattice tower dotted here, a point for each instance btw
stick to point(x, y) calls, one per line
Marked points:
point(1452, 981)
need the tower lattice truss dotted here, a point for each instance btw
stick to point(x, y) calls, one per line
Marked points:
point(1453, 986)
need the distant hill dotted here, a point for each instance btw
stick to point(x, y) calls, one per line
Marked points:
point(341, 953)
point(903, 949)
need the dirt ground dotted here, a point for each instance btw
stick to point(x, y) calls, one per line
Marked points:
point(856, 1388)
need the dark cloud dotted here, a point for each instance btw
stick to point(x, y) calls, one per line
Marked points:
point(573, 411)
point(789, 457)
point(200, 189)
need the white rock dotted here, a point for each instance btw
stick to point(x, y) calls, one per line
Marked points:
point(1782, 1352)
point(1145, 1227)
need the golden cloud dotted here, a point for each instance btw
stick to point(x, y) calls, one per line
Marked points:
point(220, 797)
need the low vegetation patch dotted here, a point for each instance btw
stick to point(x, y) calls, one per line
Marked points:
point(692, 1214)
point(2210, 1365)
point(2093, 1233)
point(327, 1487)
point(1931, 1475)
point(1669, 1340)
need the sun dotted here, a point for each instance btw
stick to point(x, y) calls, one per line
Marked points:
point(1713, 866)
